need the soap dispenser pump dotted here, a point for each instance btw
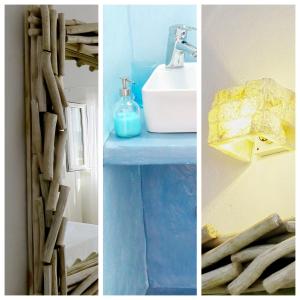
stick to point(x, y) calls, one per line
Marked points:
point(127, 113)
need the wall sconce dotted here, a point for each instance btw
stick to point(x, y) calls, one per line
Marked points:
point(255, 119)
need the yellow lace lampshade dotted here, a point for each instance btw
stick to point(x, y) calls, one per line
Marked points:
point(253, 119)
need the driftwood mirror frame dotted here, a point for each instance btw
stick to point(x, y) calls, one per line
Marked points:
point(49, 39)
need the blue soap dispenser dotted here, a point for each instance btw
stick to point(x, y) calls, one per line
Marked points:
point(127, 113)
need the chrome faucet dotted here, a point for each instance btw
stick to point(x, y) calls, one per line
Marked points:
point(178, 46)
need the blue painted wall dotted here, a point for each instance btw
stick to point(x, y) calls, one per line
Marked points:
point(124, 264)
point(169, 197)
point(117, 58)
point(149, 27)
point(135, 39)
point(124, 246)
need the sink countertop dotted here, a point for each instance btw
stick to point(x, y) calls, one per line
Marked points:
point(151, 148)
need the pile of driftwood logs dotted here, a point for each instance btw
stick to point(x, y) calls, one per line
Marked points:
point(82, 43)
point(259, 260)
point(46, 134)
point(82, 276)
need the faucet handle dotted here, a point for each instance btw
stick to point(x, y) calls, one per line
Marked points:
point(189, 28)
point(181, 30)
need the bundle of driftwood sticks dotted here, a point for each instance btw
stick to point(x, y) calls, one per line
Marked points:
point(259, 260)
point(82, 276)
point(46, 134)
point(82, 43)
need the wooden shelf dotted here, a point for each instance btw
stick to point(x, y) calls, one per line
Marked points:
point(151, 148)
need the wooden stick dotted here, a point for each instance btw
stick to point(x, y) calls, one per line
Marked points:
point(255, 288)
point(216, 242)
point(92, 255)
point(45, 27)
point(86, 283)
point(34, 10)
point(92, 290)
point(54, 229)
point(208, 233)
point(80, 62)
point(83, 265)
point(74, 52)
point(59, 160)
point(53, 90)
point(54, 273)
point(62, 231)
point(62, 268)
point(79, 39)
point(259, 264)
point(40, 92)
point(27, 104)
point(61, 43)
point(33, 65)
point(63, 98)
point(36, 133)
point(77, 277)
point(32, 19)
point(221, 275)
point(76, 261)
point(44, 184)
point(73, 22)
point(35, 224)
point(89, 49)
point(93, 68)
point(291, 226)
point(82, 28)
point(47, 279)
point(49, 129)
point(34, 32)
point(250, 253)
point(281, 279)
point(41, 231)
point(241, 240)
point(279, 238)
point(48, 218)
point(53, 36)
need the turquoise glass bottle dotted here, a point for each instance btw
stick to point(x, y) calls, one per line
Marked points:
point(127, 114)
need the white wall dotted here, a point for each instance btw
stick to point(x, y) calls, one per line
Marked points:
point(241, 43)
point(15, 176)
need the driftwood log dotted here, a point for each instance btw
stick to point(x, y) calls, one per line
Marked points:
point(62, 268)
point(259, 264)
point(46, 27)
point(250, 253)
point(61, 43)
point(53, 89)
point(54, 229)
point(82, 28)
point(59, 160)
point(86, 283)
point(282, 279)
point(49, 138)
point(208, 233)
point(53, 35)
point(241, 240)
point(221, 275)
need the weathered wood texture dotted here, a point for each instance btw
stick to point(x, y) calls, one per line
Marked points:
point(208, 233)
point(221, 275)
point(54, 229)
point(241, 240)
point(259, 264)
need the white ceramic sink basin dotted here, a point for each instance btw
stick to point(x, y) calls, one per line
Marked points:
point(169, 98)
